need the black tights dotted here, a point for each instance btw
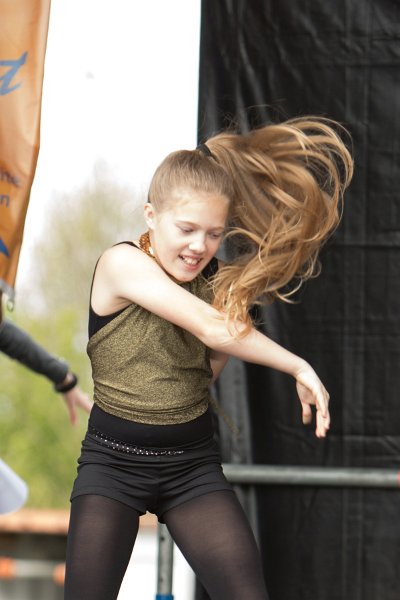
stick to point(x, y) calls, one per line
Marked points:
point(211, 531)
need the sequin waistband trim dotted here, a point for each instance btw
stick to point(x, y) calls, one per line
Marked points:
point(114, 444)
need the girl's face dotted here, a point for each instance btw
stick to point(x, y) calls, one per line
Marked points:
point(186, 235)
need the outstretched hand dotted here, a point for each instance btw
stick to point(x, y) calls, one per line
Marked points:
point(312, 392)
point(76, 398)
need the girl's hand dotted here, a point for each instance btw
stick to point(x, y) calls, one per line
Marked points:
point(311, 392)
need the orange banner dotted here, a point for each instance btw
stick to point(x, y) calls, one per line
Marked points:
point(23, 37)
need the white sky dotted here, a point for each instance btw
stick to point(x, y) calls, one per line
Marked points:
point(120, 86)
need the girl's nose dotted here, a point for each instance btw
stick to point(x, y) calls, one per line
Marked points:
point(198, 244)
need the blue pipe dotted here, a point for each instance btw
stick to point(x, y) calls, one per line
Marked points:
point(164, 597)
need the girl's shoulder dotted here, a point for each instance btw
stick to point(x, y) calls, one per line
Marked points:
point(119, 253)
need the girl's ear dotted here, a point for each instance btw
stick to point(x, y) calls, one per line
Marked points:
point(149, 215)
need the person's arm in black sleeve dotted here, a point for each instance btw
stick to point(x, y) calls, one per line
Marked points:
point(17, 344)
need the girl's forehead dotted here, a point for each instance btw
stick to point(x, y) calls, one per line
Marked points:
point(197, 207)
point(189, 199)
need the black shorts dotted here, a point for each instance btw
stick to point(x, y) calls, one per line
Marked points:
point(148, 478)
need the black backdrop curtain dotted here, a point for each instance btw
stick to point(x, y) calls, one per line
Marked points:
point(264, 60)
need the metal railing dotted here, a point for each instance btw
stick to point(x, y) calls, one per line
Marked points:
point(165, 563)
point(276, 475)
point(318, 476)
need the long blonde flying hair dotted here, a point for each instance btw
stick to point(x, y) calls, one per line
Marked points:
point(285, 183)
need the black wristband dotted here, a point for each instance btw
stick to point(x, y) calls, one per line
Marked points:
point(62, 388)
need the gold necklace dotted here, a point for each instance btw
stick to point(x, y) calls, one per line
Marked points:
point(145, 244)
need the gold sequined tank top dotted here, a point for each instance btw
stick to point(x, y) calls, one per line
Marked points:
point(149, 370)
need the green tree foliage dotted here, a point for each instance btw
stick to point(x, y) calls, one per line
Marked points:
point(37, 439)
point(77, 229)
